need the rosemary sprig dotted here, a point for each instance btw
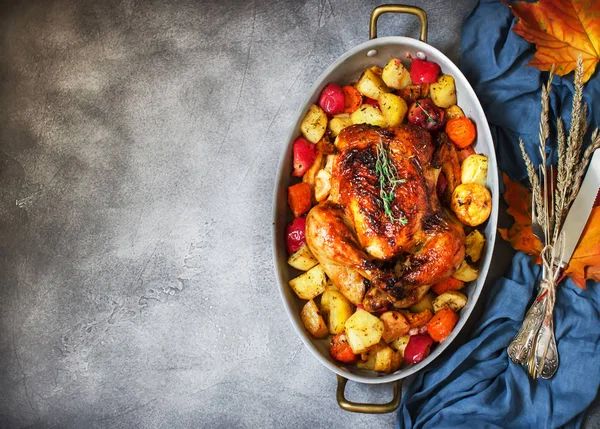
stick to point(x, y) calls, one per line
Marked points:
point(388, 180)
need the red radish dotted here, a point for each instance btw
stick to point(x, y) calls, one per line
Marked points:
point(294, 234)
point(332, 99)
point(465, 153)
point(372, 102)
point(305, 154)
point(426, 115)
point(417, 349)
point(424, 71)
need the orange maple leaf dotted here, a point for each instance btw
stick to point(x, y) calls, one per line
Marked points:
point(585, 261)
point(562, 30)
point(520, 234)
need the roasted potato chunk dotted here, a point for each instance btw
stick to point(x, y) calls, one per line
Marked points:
point(339, 309)
point(393, 108)
point(452, 299)
point(338, 123)
point(400, 343)
point(363, 330)
point(309, 284)
point(471, 203)
point(395, 75)
point(371, 85)
point(426, 303)
point(314, 124)
point(454, 112)
point(381, 358)
point(474, 245)
point(313, 321)
point(394, 325)
point(368, 114)
point(443, 92)
point(474, 169)
point(322, 185)
point(302, 259)
point(466, 272)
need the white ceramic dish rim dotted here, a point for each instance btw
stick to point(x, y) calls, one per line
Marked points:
point(484, 145)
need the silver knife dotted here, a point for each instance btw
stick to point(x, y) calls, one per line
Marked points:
point(580, 210)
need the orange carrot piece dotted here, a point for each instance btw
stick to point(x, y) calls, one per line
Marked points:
point(461, 131)
point(340, 350)
point(447, 284)
point(352, 99)
point(441, 325)
point(299, 198)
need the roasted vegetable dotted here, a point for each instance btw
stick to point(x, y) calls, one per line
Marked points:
point(422, 71)
point(452, 299)
point(363, 330)
point(302, 259)
point(474, 169)
point(454, 112)
point(339, 122)
point(443, 92)
point(441, 325)
point(294, 234)
point(417, 349)
point(338, 310)
point(352, 99)
point(426, 115)
point(299, 198)
point(395, 75)
point(305, 154)
point(380, 358)
point(400, 343)
point(371, 85)
point(474, 244)
point(447, 284)
point(332, 99)
point(322, 185)
point(314, 124)
point(310, 284)
point(340, 350)
point(426, 303)
point(395, 325)
point(313, 321)
point(461, 131)
point(393, 108)
point(466, 272)
point(417, 320)
point(368, 114)
point(471, 203)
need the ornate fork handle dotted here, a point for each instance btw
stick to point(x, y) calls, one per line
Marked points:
point(522, 344)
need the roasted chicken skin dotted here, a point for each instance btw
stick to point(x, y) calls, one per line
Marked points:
point(352, 228)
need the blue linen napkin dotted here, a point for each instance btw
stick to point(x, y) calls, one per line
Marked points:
point(477, 385)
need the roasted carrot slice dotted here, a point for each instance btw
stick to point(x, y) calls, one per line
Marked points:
point(461, 131)
point(352, 99)
point(447, 284)
point(440, 326)
point(299, 198)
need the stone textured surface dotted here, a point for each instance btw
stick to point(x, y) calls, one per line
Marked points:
point(139, 144)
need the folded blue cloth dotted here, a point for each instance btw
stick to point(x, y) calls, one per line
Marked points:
point(477, 385)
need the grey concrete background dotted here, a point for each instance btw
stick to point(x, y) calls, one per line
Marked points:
point(139, 144)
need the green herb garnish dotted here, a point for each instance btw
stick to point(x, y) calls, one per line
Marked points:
point(388, 180)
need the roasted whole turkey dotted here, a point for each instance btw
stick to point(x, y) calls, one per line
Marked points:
point(383, 230)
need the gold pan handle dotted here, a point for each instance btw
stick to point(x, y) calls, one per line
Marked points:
point(398, 8)
point(356, 407)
